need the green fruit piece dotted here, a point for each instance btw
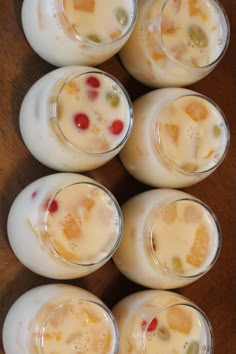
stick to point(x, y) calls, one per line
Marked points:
point(193, 348)
point(163, 333)
point(198, 36)
point(113, 98)
point(122, 16)
point(217, 131)
point(177, 264)
point(94, 38)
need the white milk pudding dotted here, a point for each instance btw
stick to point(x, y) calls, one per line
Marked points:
point(157, 321)
point(59, 319)
point(170, 239)
point(176, 42)
point(76, 119)
point(179, 136)
point(70, 224)
point(77, 32)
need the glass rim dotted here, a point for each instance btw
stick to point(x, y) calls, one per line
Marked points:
point(157, 132)
point(54, 117)
point(101, 305)
point(213, 63)
point(76, 35)
point(154, 215)
point(186, 303)
point(119, 232)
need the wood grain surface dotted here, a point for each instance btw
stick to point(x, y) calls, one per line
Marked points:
point(20, 67)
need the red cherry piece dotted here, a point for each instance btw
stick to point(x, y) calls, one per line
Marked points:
point(117, 127)
point(53, 207)
point(33, 195)
point(81, 121)
point(152, 325)
point(92, 94)
point(92, 81)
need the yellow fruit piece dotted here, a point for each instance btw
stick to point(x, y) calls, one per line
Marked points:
point(84, 5)
point(177, 265)
point(116, 34)
point(169, 214)
point(210, 153)
point(195, 10)
point(179, 319)
point(168, 27)
point(107, 343)
point(158, 56)
point(65, 253)
point(172, 130)
point(59, 108)
point(197, 111)
point(129, 347)
point(71, 228)
point(91, 318)
point(200, 247)
point(71, 88)
point(189, 167)
point(192, 213)
point(87, 204)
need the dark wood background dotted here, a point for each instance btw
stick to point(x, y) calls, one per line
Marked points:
point(20, 67)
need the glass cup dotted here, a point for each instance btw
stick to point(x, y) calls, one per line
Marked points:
point(77, 32)
point(60, 319)
point(170, 239)
point(179, 138)
point(75, 118)
point(71, 225)
point(158, 321)
point(176, 42)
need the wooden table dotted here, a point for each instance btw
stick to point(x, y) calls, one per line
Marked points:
point(20, 67)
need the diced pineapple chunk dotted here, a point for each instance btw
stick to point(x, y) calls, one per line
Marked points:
point(84, 5)
point(169, 214)
point(172, 130)
point(197, 111)
point(71, 228)
point(158, 55)
point(200, 247)
point(64, 252)
point(179, 319)
point(192, 213)
point(195, 10)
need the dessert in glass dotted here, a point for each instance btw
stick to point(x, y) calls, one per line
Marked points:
point(159, 321)
point(179, 137)
point(77, 32)
point(170, 239)
point(60, 319)
point(64, 226)
point(176, 42)
point(76, 118)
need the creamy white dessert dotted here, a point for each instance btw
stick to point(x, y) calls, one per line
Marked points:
point(179, 138)
point(77, 32)
point(60, 319)
point(64, 226)
point(176, 42)
point(157, 321)
point(75, 118)
point(170, 239)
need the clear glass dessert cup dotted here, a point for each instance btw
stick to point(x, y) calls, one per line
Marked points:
point(64, 226)
point(59, 318)
point(77, 32)
point(170, 239)
point(179, 138)
point(176, 42)
point(76, 118)
point(161, 321)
